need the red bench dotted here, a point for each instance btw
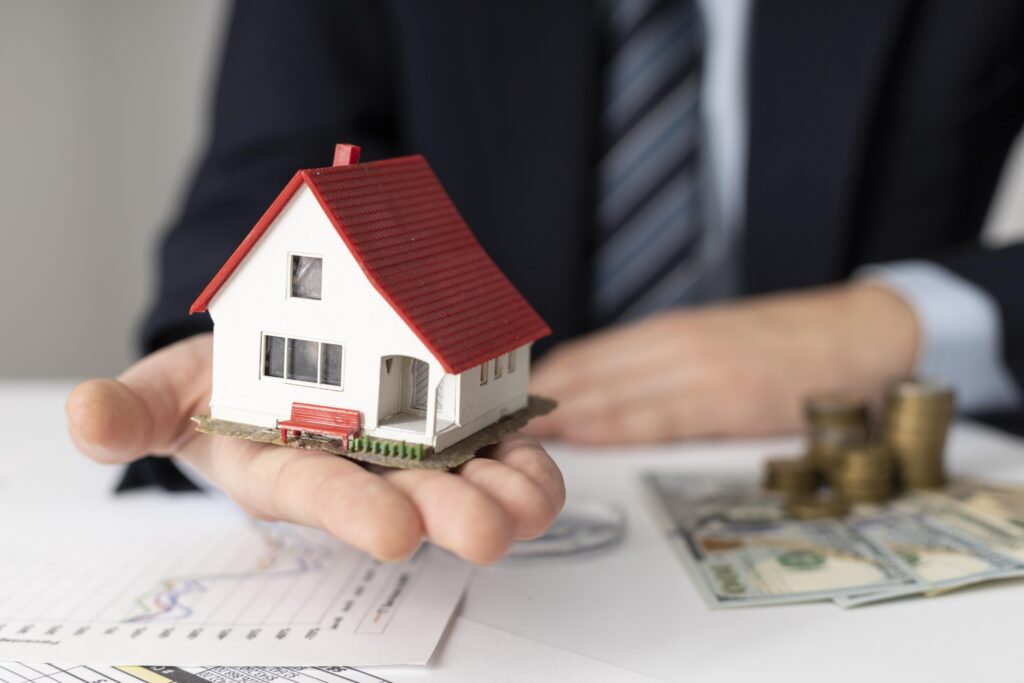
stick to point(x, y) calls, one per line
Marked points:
point(314, 419)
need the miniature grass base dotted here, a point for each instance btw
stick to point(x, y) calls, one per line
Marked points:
point(445, 459)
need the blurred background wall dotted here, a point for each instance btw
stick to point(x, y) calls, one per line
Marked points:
point(102, 110)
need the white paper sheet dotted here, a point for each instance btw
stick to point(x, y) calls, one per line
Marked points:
point(471, 652)
point(189, 579)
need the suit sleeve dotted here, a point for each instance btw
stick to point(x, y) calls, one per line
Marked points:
point(296, 77)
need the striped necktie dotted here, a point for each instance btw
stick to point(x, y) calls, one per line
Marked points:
point(649, 226)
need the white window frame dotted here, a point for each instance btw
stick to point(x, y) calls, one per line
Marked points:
point(498, 370)
point(288, 278)
point(319, 361)
point(511, 362)
point(484, 372)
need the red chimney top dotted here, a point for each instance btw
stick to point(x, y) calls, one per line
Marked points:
point(346, 155)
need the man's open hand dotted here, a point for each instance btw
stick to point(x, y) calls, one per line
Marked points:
point(513, 491)
point(734, 370)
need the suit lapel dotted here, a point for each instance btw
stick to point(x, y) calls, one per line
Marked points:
point(815, 71)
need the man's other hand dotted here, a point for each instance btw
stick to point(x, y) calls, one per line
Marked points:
point(732, 370)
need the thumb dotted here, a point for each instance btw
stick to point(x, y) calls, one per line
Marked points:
point(146, 409)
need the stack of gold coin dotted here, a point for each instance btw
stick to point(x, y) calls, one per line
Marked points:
point(864, 474)
point(791, 476)
point(835, 422)
point(914, 424)
point(820, 506)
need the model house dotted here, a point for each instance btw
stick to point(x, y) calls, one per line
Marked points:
point(362, 297)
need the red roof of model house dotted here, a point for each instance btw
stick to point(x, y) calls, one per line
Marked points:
point(417, 251)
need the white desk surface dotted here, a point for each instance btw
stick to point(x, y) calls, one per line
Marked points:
point(633, 605)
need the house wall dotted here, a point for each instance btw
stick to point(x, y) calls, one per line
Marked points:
point(351, 313)
point(483, 404)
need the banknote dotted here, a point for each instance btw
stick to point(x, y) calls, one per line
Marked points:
point(983, 514)
point(939, 558)
point(742, 551)
point(1001, 506)
point(692, 501)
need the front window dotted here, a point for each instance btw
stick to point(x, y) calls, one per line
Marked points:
point(330, 364)
point(302, 360)
point(306, 277)
point(273, 356)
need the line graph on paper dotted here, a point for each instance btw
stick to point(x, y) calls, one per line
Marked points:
point(283, 579)
point(196, 575)
point(290, 566)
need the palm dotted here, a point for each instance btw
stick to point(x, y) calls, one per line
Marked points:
point(513, 492)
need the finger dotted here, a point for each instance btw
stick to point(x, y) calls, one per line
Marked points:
point(544, 427)
point(645, 423)
point(589, 407)
point(600, 356)
point(625, 359)
point(457, 514)
point(105, 420)
point(653, 383)
point(312, 488)
point(576, 382)
point(147, 408)
point(530, 508)
point(524, 454)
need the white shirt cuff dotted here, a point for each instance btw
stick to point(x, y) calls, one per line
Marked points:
point(961, 332)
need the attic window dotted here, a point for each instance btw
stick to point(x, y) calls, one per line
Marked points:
point(306, 276)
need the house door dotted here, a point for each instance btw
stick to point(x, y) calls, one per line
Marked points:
point(403, 387)
point(420, 376)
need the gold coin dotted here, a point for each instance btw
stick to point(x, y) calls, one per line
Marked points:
point(791, 475)
point(915, 423)
point(822, 506)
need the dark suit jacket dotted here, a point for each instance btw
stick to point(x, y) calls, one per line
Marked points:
point(878, 130)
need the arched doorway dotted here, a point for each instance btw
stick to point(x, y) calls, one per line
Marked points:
point(404, 392)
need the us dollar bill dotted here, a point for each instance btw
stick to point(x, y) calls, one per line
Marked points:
point(742, 551)
point(939, 558)
point(1000, 506)
point(986, 515)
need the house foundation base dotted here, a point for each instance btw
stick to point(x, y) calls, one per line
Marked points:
point(445, 459)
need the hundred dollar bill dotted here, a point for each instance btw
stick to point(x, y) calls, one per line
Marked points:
point(985, 515)
point(691, 501)
point(743, 552)
point(939, 558)
point(1001, 506)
